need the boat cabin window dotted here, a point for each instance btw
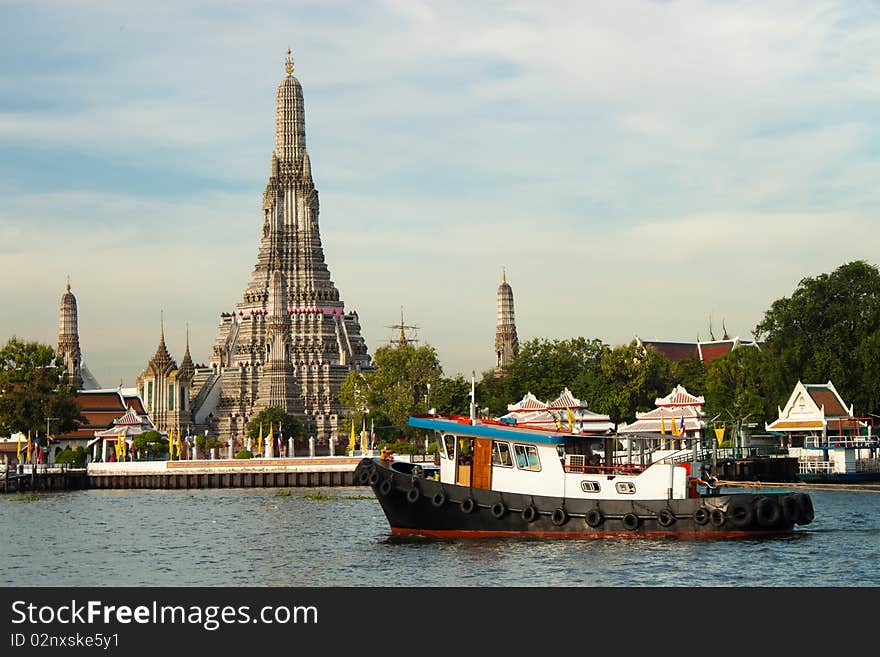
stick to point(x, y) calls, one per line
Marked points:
point(625, 487)
point(501, 454)
point(449, 443)
point(590, 486)
point(527, 457)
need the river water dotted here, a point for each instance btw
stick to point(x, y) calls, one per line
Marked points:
point(340, 537)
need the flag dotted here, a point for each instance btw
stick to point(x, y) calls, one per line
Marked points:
point(674, 427)
point(364, 435)
point(18, 451)
point(30, 447)
point(662, 424)
point(719, 435)
point(372, 436)
point(681, 427)
point(171, 443)
point(570, 419)
point(352, 439)
point(260, 440)
point(280, 440)
point(179, 446)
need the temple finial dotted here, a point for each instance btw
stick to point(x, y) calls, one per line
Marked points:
point(68, 282)
point(288, 63)
point(503, 275)
point(162, 325)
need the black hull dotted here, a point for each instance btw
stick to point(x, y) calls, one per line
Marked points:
point(425, 507)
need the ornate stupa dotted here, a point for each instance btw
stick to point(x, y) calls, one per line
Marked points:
point(506, 342)
point(69, 354)
point(289, 341)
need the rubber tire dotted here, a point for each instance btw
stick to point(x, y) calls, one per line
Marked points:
point(468, 505)
point(386, 486)
point(666, 518)
point(791, 510)
point(631, 521)
point(413, 495)
point(806, 505)
point(740, 514)
point(559, 517)
point(594, 517)
point(364, 476)
point(438, 499)
point(717, 517)
point(767, 512)
point(529, 514)
point(498, 510)
point(374, 478)
point(701, 516)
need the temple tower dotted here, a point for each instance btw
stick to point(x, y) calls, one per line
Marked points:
point(69, 354)
point(290, 323)
point(506, 342)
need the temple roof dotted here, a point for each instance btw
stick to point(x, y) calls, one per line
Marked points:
point(679, 397)
point(161, 362)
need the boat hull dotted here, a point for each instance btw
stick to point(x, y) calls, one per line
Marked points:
point(427, 507)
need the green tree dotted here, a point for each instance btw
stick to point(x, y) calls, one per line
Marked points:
point(394, 390)
point(32, 389)
point(451, 396)
point(736, 386)
point(828, 329)
point(150, 442)
point(275, 417)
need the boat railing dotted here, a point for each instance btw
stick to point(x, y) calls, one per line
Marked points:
point(815, 467)
point(577, 463)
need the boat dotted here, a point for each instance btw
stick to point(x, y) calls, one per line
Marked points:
point(499, 479)
point(851, 455)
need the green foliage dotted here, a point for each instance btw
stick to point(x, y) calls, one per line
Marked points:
point(451, 396)
point(736, 386)
point(150, 442)
point(272, 418)
point(400, 447)
point(828, 329)
point(32, 389)
point(395, 389)
point(69, 456)
point(213, 443)
point(244, 454)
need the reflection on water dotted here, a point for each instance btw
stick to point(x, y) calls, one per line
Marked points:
point(258, 537)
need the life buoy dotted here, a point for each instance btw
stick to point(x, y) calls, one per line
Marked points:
point(594, 517)
point(468, 505)
point(386, 486)
point(791, 510)
point(767, 512)
point(529, 513)
point(439, 499)
point(631, 521)
point(740, 513)
point(718, 517)
point(374, 478)
point(559, 517)
point(413, 495)
point(806, 505)
point(499, 509)
point(666, 517)
point(701, 515)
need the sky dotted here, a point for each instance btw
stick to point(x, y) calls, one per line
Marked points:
point(639, 168)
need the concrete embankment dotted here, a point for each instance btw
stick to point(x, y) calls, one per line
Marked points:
point(237, 473)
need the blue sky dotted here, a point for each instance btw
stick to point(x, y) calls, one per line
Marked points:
point(638, 167)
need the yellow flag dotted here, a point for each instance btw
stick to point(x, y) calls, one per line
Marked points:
point(179, 444)
point(18, 450)
point(662, 424)
point(352, 439)
point(570, 419)
point(719, 435)
point(675, 431)
point(260, 440)
point(124, 445)
point(29, 447)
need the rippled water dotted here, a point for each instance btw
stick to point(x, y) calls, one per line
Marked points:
point(263, 538)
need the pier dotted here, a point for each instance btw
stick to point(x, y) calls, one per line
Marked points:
point(235, 473)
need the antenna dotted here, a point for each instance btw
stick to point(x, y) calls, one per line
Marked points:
point(402, 328)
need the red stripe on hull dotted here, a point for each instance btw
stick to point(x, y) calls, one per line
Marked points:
point(480, 533)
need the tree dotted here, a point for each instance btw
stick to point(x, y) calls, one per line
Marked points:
point(150, 442)
point(274, 417)
point(32, 389)
point(828, 329)
point(451, 396)
point(736, 386)
point(395, 389)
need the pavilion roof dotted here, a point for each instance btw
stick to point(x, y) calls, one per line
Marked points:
point(680, 397)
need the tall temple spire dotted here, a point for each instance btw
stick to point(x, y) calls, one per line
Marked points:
point(162, 363)
point(289, 339)
point(506, 342)
point(69, 354)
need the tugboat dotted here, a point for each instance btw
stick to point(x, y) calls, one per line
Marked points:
point(498, 479)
